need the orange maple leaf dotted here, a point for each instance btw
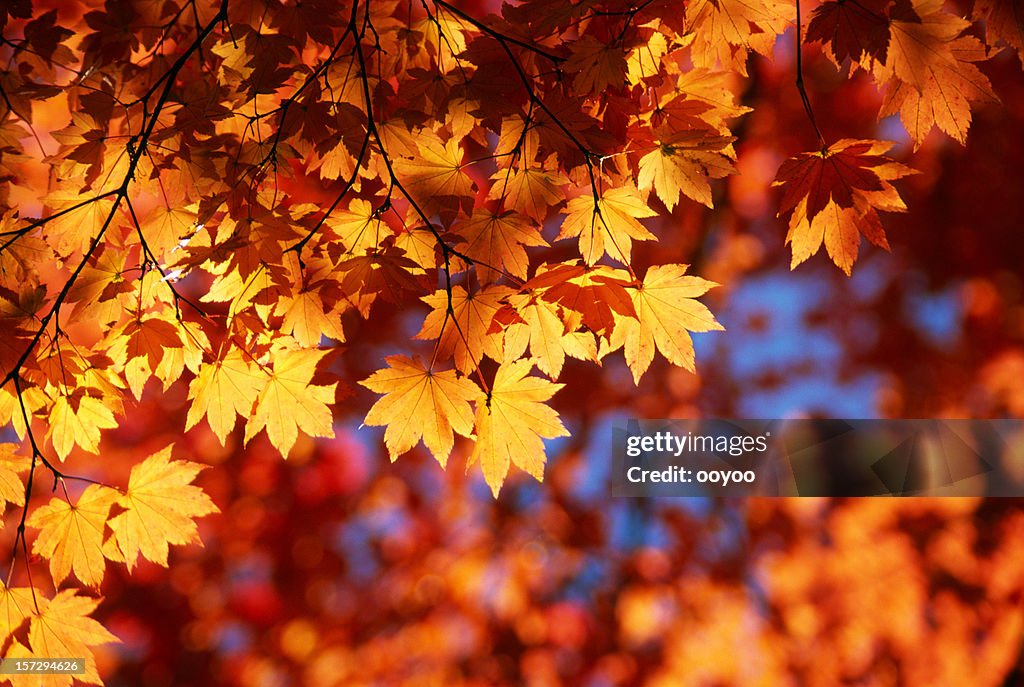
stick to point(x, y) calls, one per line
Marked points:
point(595, 65)
point(436, 177)
point(1004, 21)
point(497, 242)
point(833, 196)
point(931, 72)
point(725, 31)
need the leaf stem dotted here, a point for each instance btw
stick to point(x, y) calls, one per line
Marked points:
point(800, 80)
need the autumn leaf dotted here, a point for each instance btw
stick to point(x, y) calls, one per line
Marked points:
point(16, 605)
point(933, 79)
point(357, 228)
point(63, 629)
point(160, 507)
point(71, 535)
point(684, 163)
point(224, 390)
point(421, 403)
point(78, 419)
point(607, 225)
point(462, 332)
point(595, 65)
point(497, 243)
point(165, 227)
point(437, 174)
point(533, 191)
point(145, 342)
point(12, 489)
point(726, 31)
point(308, 316)
point(667, 310)
point(856, 29)
point(548, 332)
point(387, 275)
point(644, 62)
point(289, 401)
point(419, 246)
point(512, 422)
point(1004, 21)
point(833, 196)
point(593, 294)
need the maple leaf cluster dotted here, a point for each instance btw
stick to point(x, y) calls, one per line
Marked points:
point(440, 193)
point(78, 536)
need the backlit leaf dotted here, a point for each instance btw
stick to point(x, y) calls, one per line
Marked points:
point(160, 507)
point(421, 403)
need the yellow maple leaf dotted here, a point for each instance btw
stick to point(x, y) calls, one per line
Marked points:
point(419, 245)
point(63, 629)
point(839, 228)
point(64, 233)
point(78, 419)
point(289, 402)
point(645, 60)
point(511, 424)
point(531, 190)
point(12, 489)
point(498, 242)
point(420, 403)
point(463, 334)
point(16, 605)
point(666, 312)
point(96, 292)
point(708, 87)
point(359, 227)
point(71, 536)
point(725, 31)
point(935, 78)
point(190, 355)
point(436, 173)
point(222, 391)
point(160, 507)
point(550, 340)
point(608, 225)
point(307, 318)
point(685, 162)
point(165, 226)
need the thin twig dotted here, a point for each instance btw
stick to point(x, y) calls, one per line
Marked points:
point(800, 80)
